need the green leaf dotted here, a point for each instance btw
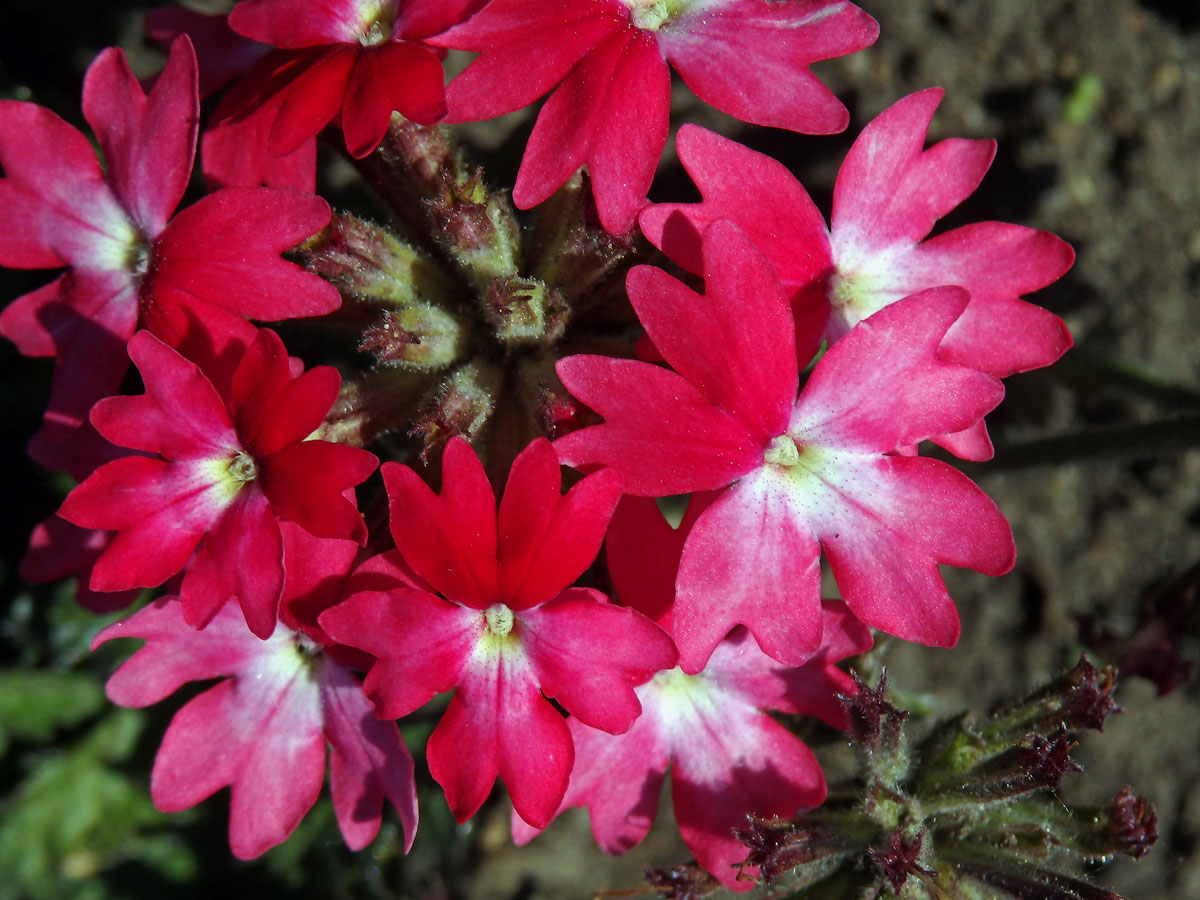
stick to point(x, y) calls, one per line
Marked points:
point(34, 705)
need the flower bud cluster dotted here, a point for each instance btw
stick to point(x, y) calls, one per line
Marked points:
point(968, 812)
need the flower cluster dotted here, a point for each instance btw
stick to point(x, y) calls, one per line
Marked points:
point(781, 372)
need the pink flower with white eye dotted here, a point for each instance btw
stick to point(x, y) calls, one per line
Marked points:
point(607, 63)
point(357, 59)
point(797, 474)
point(500, 624)
point(745, 763)
point(263, 731)
point(192, 279)
point(889, 194)
point(226, 471)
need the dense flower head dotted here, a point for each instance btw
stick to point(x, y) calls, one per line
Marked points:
point(784, 383)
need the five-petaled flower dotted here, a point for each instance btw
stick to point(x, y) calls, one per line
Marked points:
point(799, 473)
point(227, 468)
point(606, 61)
point(494, 617)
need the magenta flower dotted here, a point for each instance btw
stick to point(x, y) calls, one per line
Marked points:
point(227, 470)
point(799, 474)
point(606, 61)
point(361, 58)
point(889, 194)
point(264, 729)
point(190, 280)
point(745, 762)
point(494, 618)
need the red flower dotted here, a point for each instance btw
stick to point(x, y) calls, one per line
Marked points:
point(745, 762)
point(606, 61)
point(889, 194)
point(494, 617)
point(799, 473)
point(190, 280)
point(361, 58)
point(226, 471)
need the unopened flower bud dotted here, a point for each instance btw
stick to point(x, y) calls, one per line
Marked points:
point(420, 337)
point(366, 263)
point(461, 405)
point(524, 311)
point(878, 731)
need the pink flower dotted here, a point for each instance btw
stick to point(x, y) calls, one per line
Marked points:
point(799, 473)
point(889, 194)
point(191, 280)
point(745, 762)
point(227, 470)
point(363, 59)
point(264, 729)
point(493, 617)
point(606, 61)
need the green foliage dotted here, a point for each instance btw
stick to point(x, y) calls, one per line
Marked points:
point(73, 815)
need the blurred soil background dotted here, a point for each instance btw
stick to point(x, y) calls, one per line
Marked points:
point(1096, 108)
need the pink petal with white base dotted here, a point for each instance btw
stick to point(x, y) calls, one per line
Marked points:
point(272, 753)
point(161, 512)
point(885, 524)
point(749, 561)
point(148, 142)
point(884, 386)
point(54, 188)
point(293, 24)
point(496, 717)
point(175, 653)
point(749, 762)
point(890, 191)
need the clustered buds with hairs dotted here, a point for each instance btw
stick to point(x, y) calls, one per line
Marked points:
point(968, 812)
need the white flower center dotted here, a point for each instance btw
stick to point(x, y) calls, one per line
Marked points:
point(378, 23)
point(242, 468)
point(652, 15)
point(783, 452)
point(499, 619)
